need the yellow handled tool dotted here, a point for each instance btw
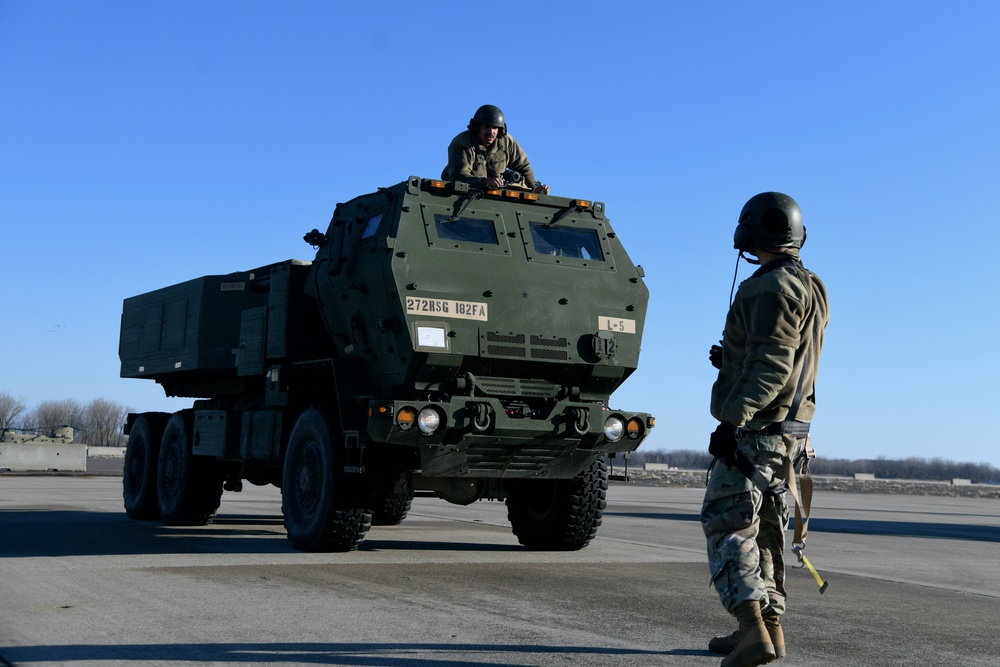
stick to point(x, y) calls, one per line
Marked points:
point(797, 550)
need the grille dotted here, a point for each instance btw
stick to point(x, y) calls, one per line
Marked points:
point(550, 355)
point(506, 351)
point(539, 388)
point(530, 388)
point(550, 342)
point(518, 346)
point(497, 337)
point(519, 459)
point(497, 386)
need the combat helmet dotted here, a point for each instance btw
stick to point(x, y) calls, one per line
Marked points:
point(488, 115)
point(769, 220)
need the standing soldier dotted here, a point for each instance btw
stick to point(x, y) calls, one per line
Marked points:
point(764, 398)
point(481, 154)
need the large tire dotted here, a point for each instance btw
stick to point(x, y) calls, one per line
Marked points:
point(189, 489)
point(559, 514)
point(139, 473)
point(391, 508)
point(325, 509)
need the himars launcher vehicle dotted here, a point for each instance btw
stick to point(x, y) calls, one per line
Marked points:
point(445, 340)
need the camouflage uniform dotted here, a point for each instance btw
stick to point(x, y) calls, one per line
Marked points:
point(469, 161)
point(746, 527)
point(774, 334)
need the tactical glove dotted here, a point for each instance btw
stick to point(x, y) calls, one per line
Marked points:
point(715, 356)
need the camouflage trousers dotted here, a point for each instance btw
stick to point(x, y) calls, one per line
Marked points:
point(745, 522)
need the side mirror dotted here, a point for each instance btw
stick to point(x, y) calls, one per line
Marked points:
point(315, 238)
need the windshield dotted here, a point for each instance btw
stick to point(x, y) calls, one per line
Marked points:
point(470, 230)
point(566, 242)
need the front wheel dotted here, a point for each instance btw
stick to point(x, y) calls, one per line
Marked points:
point(559, 514)
point(324, 508)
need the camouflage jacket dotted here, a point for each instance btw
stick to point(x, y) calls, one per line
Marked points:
point(773, 335)
point(468, 161)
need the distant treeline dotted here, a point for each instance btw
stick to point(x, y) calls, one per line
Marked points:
point(882, 468)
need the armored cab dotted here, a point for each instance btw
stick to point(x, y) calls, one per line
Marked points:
point(445, 340)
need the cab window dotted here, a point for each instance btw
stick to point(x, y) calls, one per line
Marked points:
point(560, 241)
point(372, 226)
point(469, 230)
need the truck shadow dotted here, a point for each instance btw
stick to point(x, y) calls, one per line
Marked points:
point(56, 533)
point(322, 653)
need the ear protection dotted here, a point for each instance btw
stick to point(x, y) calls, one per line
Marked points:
point(743, 236)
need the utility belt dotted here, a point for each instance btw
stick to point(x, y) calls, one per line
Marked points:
point(789, 427)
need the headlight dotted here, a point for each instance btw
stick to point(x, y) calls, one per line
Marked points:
point(428, 420)
point(614, 428)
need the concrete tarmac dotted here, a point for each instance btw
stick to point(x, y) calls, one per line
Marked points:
point(913, 580)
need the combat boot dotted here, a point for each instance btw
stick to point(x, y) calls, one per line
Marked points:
point(754, 646)
point(773, 624)
point(726, 643)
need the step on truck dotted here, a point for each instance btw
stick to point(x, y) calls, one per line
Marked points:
point(445, 340)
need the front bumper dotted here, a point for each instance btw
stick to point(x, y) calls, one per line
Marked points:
point(479, 437)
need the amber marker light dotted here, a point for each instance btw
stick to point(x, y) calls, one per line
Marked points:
point(529, 196)
point(438, 184)
point(633, 429)
point(580, 203)
point(405, 418)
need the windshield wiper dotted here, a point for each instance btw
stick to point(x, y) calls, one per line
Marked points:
point(465, 201)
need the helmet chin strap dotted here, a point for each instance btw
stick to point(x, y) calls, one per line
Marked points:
point(755, 262)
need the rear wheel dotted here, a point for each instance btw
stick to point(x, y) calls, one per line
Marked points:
point(139, 473)
point(189, 488)
point(325, 509)
point(559, 514)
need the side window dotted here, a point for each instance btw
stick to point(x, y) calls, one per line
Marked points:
point(360, 228)
point(372, 226)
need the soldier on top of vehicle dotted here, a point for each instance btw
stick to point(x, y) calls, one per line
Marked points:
point(481, 154)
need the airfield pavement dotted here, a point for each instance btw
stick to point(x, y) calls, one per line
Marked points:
point(913, 579)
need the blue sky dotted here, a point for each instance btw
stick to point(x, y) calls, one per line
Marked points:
point(146, 143)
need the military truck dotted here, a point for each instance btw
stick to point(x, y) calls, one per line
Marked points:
point(446, 340)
